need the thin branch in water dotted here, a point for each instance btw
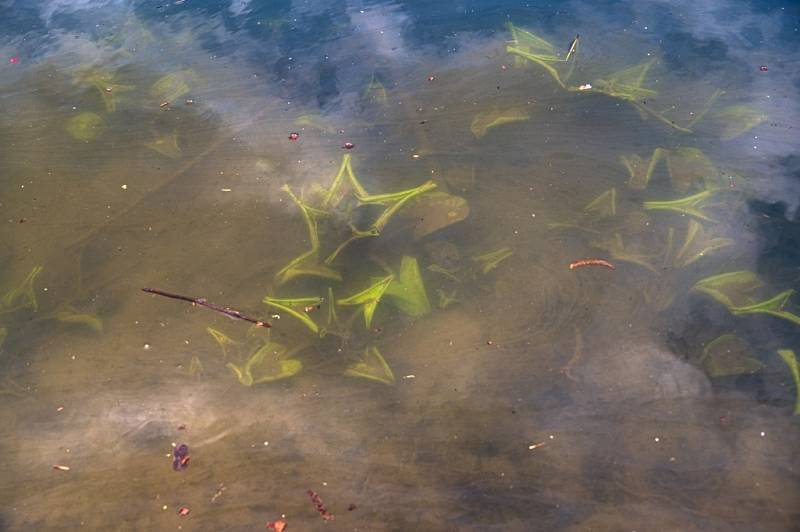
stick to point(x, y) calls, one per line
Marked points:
point(227, 311)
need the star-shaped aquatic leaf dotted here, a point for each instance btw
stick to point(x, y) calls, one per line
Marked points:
point(369, 298)
point(407, 291)
point(22, 296)
point(627, 84)
point(372, 366)
point(434, 211)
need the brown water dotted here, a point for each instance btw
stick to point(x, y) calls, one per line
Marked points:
point(543, 398)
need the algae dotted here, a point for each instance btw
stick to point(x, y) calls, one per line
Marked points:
point(23, 295)
point(84, 126)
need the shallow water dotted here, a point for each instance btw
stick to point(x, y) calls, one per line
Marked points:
point(531, 396)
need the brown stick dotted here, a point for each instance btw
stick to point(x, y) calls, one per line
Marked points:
point(227, 311)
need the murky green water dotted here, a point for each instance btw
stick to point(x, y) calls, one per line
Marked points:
point(457, 373)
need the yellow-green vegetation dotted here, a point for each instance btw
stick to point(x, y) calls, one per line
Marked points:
point(738, 292)
point(487, 120)
point(790, 358)
point(691, 205)
point(84, 126)
point(737, 119)
point(166, 145)
point(629, 84)
point(86, 319)
point(698, 244)
point(375, 91)
point(527, 46)
point(347, 206)
point(105, 84)
point(170, 87)
point(372, 366)
point(727, 356)
point(23, 295)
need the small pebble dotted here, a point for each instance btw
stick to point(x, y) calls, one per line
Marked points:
point(184, 511)
point(348, 146)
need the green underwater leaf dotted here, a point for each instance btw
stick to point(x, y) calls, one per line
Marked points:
point(734, 291)
point(375, 91)
point(691, 205)
point(296, 307)
point(730, 289)
point(790, 358)
point(489, 261)
point(170, 87)
point(166, 145)
point(639, 170)
point(105, 84)
point(627, 84)
point(89, 320)
point(728, 356)
point(526, 45)
point(372, 366)
point(407, 292)
point(486, 120)
point(369, 298)
point(267, 364)
point(434, 211)
point(3, 335)
point(84, 126)
point(616, 249)
point(698, 245)
point(223, 340)
point(737, 119)
point(689, 167)
point(23, 296)
point(604, 205)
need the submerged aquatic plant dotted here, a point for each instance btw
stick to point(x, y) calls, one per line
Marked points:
point(434, 211)
point(489, 261)
point(297, 307)
point(691, 205)
point(23, 295)
point(70, 315)
point(734, 290)
point(737, 119)
point(407, 291)
point(728, 356)
point(84, 126)
point(698, 245)
point(105, 84)
point(689, 167)
point(790, 358)
point(372, 366)
point(526, 45)
point(484, 121)
point(270, 362)
point(172, 86)
point(639, 170)
point(369, 298)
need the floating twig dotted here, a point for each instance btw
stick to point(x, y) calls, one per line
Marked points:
point(227, 311)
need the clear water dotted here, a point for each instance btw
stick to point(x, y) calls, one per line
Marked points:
point(544, 398)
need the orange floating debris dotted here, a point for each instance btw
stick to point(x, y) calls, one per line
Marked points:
point(184, 511)
point(278, 525)
point(591, 262)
